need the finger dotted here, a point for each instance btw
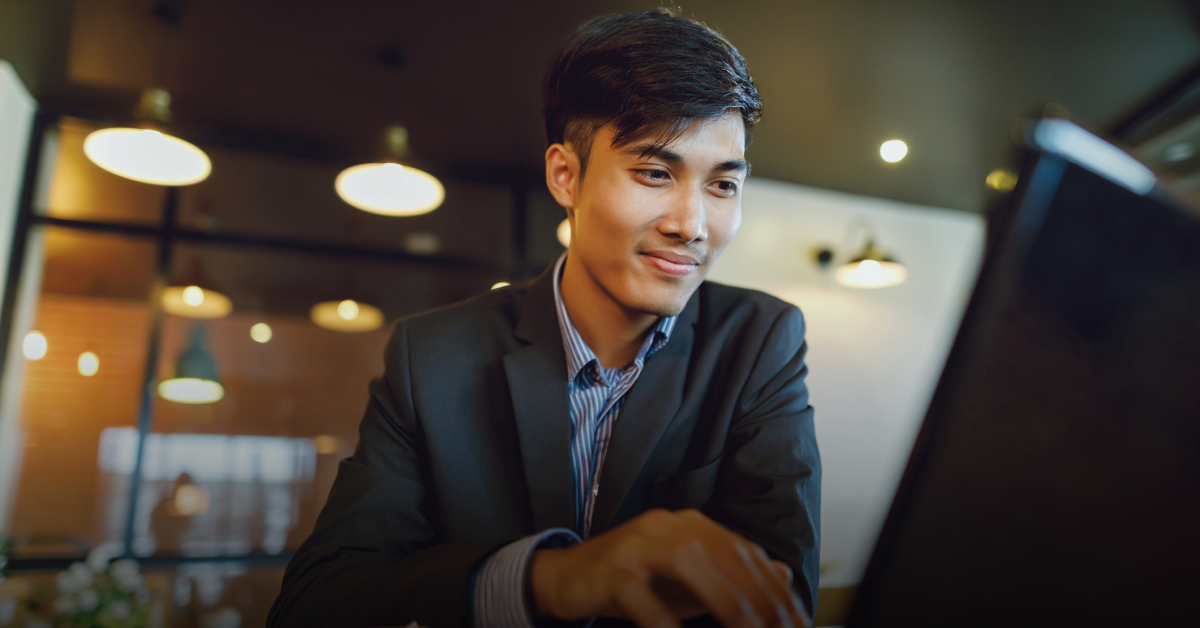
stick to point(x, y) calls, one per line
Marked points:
point(637, 602)
point(738, 558)
point(688, 563)
point(783, 570)
point(782, 587)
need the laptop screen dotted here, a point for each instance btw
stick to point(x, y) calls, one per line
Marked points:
point(1056, 478)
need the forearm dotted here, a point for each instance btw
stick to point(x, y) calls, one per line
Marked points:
point(358, 588)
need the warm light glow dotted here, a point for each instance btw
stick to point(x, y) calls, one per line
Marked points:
point(191, 500)
point(1001, 180)
point(35, 345)
point(260, 332)
point(421, 243)
point(893, 151)
point(326, 444)
point(193, 295)
point(147, 156)
point(564, 233)
point(871, 274)
point(390, 189)
point(195, 302)
point(330, 315)
point(347, 310)
point(89, 363)
point(191, 390)
point(500, 284)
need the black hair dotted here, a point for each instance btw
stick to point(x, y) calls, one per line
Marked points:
point(639, 72)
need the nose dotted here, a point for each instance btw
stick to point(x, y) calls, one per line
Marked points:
point(685, 217)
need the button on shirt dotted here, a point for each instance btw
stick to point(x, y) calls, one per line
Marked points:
point(595, 395)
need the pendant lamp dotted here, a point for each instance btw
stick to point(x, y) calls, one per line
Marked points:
point(195, 379)
point(871, 268)
point(389, 188)
point(346, 315)
point(145, 153)
point(193, 296)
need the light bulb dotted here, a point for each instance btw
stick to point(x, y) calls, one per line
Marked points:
point(35, 345)
point(893, 151)
point(193, 295)
point(147, 156)
point(260, 332)
point(870, 273)
point(88, 364)
point(347, 310)
point(500, 284)
point(390, 189)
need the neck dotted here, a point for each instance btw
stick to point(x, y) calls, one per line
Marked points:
point(614, 333)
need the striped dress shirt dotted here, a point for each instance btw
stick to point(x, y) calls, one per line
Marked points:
point(596, 395)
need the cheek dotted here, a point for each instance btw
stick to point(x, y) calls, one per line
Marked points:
point(724, 225)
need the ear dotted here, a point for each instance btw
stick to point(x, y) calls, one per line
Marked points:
point(562, 176)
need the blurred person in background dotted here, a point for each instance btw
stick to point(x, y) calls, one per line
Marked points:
point(617, 439)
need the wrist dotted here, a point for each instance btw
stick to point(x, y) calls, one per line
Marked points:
point(543, 580)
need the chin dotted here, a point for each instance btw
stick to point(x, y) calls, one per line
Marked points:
point(660, 303)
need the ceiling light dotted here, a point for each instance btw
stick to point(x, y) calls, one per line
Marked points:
point(195, 302)
point(88, 364)
point(500, 284)
point(346, 315)
point(35, 345)
point(389, 188)
point(325, 444)
point(564, 233)
point(147, 154)
point(421, 243)
point(260, 332)
point(195, 379)
point(893, 151)
point(191, 500)
point(1001, 180)
point(871, 268)
point(196, 375)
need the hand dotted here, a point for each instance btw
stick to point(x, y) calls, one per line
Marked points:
point(665, 566)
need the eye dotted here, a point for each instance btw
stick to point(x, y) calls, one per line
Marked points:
point(725, 188)
point(653, 175)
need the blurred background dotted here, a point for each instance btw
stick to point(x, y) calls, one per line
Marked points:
point(185, 364)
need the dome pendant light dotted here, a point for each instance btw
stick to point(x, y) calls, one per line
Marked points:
point(194, 298)
point(147, 154)
point(389, 188)
point(347, 315)
point(195, 379)
point(871, 268)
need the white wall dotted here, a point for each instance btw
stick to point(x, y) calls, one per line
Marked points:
point(16, 116)
point(874, 355)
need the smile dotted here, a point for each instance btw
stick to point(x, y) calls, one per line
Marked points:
point(673, 264)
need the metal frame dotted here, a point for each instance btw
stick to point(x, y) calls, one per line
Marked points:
point(168, 234)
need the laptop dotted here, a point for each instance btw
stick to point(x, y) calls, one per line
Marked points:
point(1055, 480)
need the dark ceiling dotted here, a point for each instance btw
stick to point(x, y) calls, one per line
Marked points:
point(837, 78)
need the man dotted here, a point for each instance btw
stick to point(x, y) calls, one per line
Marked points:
point(616, 439)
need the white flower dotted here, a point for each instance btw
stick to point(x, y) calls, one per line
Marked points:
point(125, 574)
point(119, 609)
point(74, 580)
point(65, 605)
point(98, 558)
point(88, 599)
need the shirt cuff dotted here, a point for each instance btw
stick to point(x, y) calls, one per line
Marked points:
point(498, 599)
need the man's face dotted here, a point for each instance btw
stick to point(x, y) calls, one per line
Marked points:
point(648, 229)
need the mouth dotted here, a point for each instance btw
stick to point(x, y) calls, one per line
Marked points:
point(673, 264)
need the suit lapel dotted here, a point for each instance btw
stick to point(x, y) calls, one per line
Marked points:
point(651, 404)
point(537, 382)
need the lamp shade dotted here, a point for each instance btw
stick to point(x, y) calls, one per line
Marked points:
point(195, 379)
point(148, 156)
point(195, 302)
point(390, 189)
point(346, 315)
point(871, 269)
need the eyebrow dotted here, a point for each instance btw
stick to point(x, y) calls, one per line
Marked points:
point(645, 151)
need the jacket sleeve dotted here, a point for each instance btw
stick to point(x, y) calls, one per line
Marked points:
point(769, 484)
point(375, 557)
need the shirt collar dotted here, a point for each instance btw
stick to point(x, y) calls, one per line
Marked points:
point(579, 355)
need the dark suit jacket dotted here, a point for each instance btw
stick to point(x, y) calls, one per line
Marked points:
point(465, 446)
